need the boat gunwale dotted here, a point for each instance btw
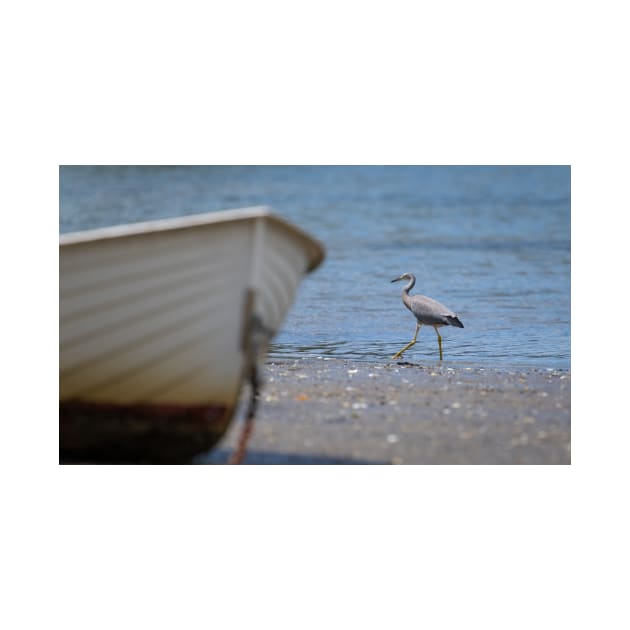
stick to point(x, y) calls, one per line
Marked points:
point(172, 224)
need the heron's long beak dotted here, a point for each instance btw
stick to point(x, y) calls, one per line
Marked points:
point(397, 279)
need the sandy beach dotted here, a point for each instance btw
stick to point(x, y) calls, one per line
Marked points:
point(318, 411)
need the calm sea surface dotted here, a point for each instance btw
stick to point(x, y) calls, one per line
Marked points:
point(492, 243)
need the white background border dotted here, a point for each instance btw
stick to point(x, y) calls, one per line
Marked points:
point(318, 83)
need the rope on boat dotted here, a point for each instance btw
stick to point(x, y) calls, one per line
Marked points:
point(238, 455)
point(254, 339)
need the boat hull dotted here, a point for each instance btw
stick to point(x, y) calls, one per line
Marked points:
point(160, 324)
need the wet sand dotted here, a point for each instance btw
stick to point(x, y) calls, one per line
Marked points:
point(317, 411)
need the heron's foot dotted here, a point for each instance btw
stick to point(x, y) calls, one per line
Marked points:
point(401, 352)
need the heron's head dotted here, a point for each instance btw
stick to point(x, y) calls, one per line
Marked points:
point(405, 276)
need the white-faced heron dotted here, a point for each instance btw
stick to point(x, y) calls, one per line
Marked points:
point(426, 311)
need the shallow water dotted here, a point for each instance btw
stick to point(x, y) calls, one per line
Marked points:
point(492, 243)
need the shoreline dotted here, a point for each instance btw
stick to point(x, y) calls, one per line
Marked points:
point(340, 411)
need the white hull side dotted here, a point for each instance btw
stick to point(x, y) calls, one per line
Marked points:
point(155, 314)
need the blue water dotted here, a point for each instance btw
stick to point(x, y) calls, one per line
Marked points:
point(492, 243)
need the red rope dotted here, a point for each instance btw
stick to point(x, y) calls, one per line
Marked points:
point(239, 453)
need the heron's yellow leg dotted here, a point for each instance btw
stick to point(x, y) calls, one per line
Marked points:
point(439, 341)
point(411, 343)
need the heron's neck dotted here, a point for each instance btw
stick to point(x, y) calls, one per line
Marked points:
point(410, 286)
point(405, 293)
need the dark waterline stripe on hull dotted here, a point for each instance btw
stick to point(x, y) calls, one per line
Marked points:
point(95, 432)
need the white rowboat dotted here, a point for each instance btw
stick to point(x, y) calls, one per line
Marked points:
point(160, 322)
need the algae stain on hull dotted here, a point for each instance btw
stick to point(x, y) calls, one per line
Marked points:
point(101, 432)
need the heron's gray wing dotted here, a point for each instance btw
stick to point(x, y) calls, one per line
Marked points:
point(431, 312)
